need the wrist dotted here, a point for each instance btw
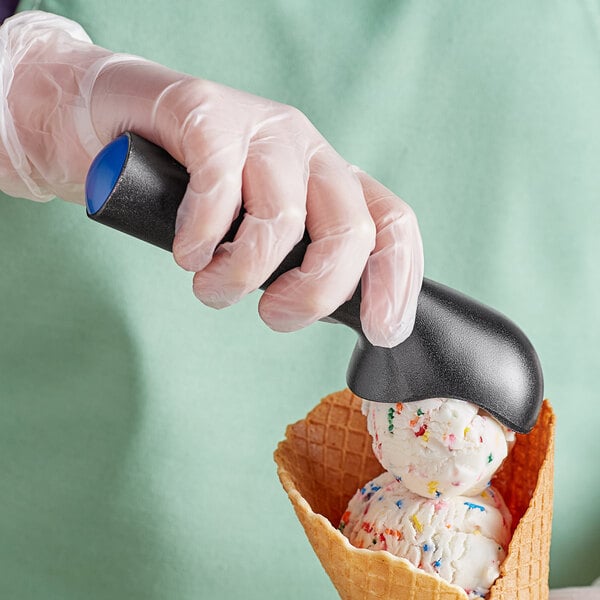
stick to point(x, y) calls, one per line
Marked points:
point(45, 141)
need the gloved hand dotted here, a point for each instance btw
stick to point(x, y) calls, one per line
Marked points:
point(65, 98)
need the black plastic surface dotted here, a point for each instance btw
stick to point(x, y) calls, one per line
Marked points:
point(146, 197)
point(459, 348)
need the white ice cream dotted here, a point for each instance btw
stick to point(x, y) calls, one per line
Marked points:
point(439, 447)
point(461, 539)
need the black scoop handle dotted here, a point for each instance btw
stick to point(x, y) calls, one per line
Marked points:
point(144, 203)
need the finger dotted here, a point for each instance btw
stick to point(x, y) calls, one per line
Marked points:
point(212, 199)
point(392, 278)
point(342, 234)
point(274, 190)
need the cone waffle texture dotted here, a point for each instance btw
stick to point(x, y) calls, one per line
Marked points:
point(327, 456)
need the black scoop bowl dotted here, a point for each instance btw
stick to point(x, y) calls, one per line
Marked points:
point(459, 348)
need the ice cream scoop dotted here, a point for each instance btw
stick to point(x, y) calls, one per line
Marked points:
point(461, 539)
point(439, 447)
point(459, 348)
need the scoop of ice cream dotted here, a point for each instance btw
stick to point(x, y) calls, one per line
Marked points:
point(439, 447)
point(461, 539)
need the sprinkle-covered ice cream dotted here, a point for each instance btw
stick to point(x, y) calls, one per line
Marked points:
point(462, 539)
point(439, 447)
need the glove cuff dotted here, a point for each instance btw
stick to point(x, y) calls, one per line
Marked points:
point(16, 33)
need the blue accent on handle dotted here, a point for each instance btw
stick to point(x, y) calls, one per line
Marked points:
point(104, 173)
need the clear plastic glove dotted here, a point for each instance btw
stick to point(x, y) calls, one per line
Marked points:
point(65, 98)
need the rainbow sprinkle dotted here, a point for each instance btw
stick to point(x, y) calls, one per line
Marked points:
point(472, 506)
point(432, 486)
point(366, 526)
point(344, 521)
point(421, 431)
point(391, 420)
point(418, 525)
point(394, 532)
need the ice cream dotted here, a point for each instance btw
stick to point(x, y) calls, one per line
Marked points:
point(462, 539)
point(439, 447)
point(327, 455)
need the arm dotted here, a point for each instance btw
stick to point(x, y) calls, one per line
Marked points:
point(64, 98)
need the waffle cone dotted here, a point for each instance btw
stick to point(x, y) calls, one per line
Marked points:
point(327, 456)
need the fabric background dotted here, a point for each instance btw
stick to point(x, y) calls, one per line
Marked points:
point(137, 426)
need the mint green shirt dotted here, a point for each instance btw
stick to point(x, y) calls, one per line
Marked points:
point(137, 426)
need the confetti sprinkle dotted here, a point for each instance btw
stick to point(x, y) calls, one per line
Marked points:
point(437, 564)
point(472, 506)
point(344, 521)
point(418, 525)
point(490, 458)
point(425, 548)
point(395, 533)
point(420, 413)
point(399, 503)
point(421, 431)
point(391, 420)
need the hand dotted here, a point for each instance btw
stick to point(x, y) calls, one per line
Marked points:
point(237, 145)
